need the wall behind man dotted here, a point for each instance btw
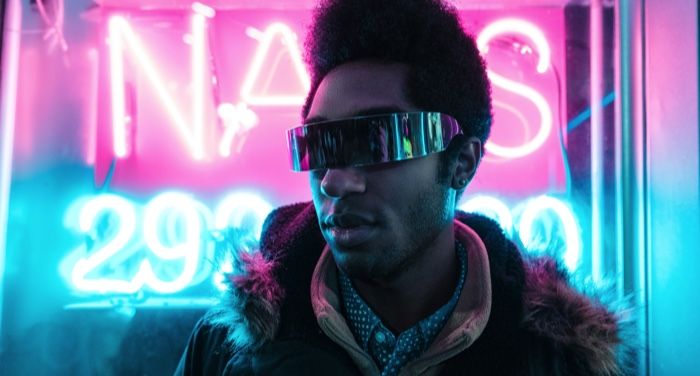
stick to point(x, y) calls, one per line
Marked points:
point(671, 51)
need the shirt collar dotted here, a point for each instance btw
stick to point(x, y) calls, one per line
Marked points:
point(364, 322)
point(463, 327)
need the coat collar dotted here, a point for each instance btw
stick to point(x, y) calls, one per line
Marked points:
point(270, 296)
point(461, 330)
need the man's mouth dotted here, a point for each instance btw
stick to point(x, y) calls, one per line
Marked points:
point(348, 230)
point(348, 237)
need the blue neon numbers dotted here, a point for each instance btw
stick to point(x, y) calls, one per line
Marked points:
point(164, 247)
point(168, 245)
point(536, 223)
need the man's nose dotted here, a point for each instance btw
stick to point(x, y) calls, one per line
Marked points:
point(340, 182)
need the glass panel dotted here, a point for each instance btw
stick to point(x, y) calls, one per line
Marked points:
point(141, 127)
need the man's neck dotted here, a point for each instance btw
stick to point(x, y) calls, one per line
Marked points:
point(422, 287)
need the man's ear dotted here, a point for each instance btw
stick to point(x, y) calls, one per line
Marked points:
point(468, 158)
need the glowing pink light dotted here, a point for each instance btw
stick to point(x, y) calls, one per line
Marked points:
point(238, 120)
point(91, 109)
point(203, 9)
point(265, 38)
point(518, 26)
point(121, 35)
point(12, 34)
point(199, 73)
point(119, 118)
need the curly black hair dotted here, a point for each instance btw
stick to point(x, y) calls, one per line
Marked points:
point(446, 73)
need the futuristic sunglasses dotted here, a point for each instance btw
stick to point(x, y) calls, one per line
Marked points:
point(368, 140)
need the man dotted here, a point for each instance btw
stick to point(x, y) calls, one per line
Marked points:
point(380, 275)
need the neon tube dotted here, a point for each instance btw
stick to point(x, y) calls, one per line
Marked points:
point(91, 110)
point(597, 143)
point(199, 72)
point(238, 120)
point(189, 250)
point(120, 31)
point(232, 210)
point(492, 208)
point(518, 26)
point(203, 9)
point(116, 69)
point(8, 102)
point(534, 208)
point(265, 38)
point(126, 215)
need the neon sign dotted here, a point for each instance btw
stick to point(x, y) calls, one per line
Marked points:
point(168, 242)
point(534, 209)
point(518, 26)
point(238, 119)
point(165, 245)
point(171, 244)
point(120, 36)
point(531, 214)
point(492, 208)
point(290, 46)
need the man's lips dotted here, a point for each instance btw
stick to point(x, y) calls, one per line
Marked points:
point(348, 229)
point(347, 220)
point(348, 237)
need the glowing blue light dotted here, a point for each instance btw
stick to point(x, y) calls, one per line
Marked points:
point(173, 230)
point(225, 267)
point(534, 210)
point(233, 209)
point(174, 225)
point(492, 208)
point(188, 250)
point(124, 211)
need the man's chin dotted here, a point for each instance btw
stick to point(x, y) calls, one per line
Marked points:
point(354, 264)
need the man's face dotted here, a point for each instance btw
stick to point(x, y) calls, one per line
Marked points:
point(377, 219)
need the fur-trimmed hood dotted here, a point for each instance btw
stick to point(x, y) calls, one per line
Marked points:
point(535, 310)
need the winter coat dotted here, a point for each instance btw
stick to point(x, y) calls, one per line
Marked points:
point(537, 323)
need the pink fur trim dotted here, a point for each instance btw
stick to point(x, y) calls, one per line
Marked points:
point(258, 279)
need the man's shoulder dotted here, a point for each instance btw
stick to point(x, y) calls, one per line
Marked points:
point(289, 225)
point(540, 315)
point(576, 324)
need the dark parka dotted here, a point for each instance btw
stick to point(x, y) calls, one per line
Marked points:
point(539, 324)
